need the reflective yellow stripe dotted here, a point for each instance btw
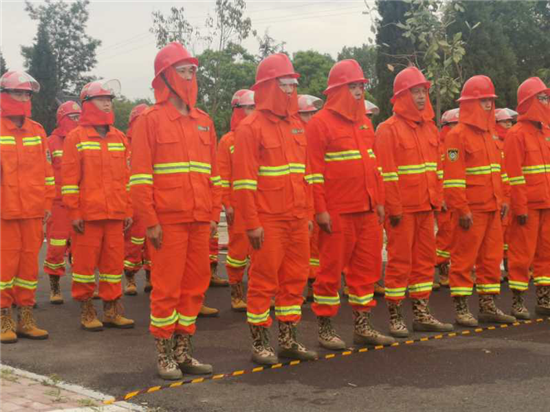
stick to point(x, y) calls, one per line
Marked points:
point(288, 310)
point(226, 183)
point(231, 149)
point(236, 263)
point(440, 174)
point(58, 242)
point(315, 178)
point(530, 170)
point(53, 266)
point(327, 300)
point(116, 147)
point(7, 285)
point(491, 287)
point(504, 177)
point(200, 167)
point(282, 170)
point(57, 153)
point(167, 168)
point(390, 177)
point(371, 154)
point(361, 300)
point(421, 287)
point(129, 264)
point(88, 146)
point(32, 141)
point(461, 291)
point(216, 180)
point(186, 320)
point(26, 284)
point(103, 277)
point(519, 180)
point(342, 156)
point(541, 280)
point(442, 253)
point(141, 179)
point(253, 318)
point(50, 181)
point(7, 140)
point(454, 183)
point(245, 184)
point(160, 322)
point(395, 292)
point(137, 240)
point(314, 262)
point(69, 189)
point(514, 284)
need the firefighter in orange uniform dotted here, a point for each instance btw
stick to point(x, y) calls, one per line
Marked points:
point(28, 189)
point(176, 191)
point(527, 157)
point(444, 235)
point(348, 196)
point(407, 148)
point(239, 248)
point(274, 199)
point(58, 228)
point(95, 178)
point(307, 107)
point(476, 189)
point(136, 253)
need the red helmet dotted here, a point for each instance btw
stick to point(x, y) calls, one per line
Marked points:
point(246, 99)
point(505, 114)
point(100, 88)
point(371, 108)
point(529, 88)
point(18, 80)
point(345, 72)
point(407, 79)
point(136, 111)
point(450, 116)
point(274, 66)
point(236, 96)
point(478, 87)
point(67, 108)
point(169, 55)
point(307, 103)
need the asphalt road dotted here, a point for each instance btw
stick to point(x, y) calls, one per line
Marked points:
point(495, 370)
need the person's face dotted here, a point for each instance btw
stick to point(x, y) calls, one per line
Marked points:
point(186, 72)
point(248, 109)
point(287, 84)
point(420, 96)
point(75, 117)
point(103, 103)
point(357, 90)
point(507, 124)
point(486, 104)
point(544, 98)
point(306, 116)
point(20, 95)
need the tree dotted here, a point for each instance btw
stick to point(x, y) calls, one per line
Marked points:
point(366, 57)
point(3, 64)
point(74, 50)
point(41, 65)
point(122, 108)
point(268, 45)
point(175, 27)
point(230, 26)
point(313, 68)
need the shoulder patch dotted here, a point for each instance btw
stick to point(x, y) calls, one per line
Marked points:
point(297, 131)
point(452, 154)
point(363, 127)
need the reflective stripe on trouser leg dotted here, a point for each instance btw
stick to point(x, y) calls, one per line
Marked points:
point(21, 242)
point(423, 259)
point(541, 259)
point(213, 248)
point(58, 230)
point(522, 245)
point(86, 249)
point(237, 255)
point(134, 246)
point(443, 238)
point(314, 262)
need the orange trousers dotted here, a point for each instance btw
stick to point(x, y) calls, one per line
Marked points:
point(529, 246)
point(480, 246)
point(58, 233)
point(238, 251)
point(136, 249)
point(443, 238)
point(180, 276)
point(314, 264)
point(411, 257)
point(213, 249)
point(21, 242)
point(279, 269)
point(356, 244)
point(100, 247)
point(506, 233)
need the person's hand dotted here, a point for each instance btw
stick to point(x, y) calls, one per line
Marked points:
point(213, 229)
point(394, 220)
point(444, 207)
point(154, 234)
point(522, 219)
point(380, 212)
point(78, 225)
point(310, 227)
point(504, 210)
point(466, 221)
point(229, 215)
point(324, 221)
point(256, 237)
point(127, 223)
point(47, 215)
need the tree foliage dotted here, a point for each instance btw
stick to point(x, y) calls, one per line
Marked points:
point(74, 50)
point(313, 68)
point(3, 64)
point(174, 26)
point(366, 57)
point(267, 45)
point(122, 108)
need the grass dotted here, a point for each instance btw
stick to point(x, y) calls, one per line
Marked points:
point(8, 375)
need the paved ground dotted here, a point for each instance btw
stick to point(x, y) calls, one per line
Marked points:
point(495, 370)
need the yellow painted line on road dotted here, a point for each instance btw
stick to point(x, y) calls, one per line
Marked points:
point(348, 352)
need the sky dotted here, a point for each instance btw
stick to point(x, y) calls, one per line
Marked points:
point(128, 48)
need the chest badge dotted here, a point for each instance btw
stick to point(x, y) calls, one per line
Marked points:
point(297, 131)
point(203, 128)
point(452, 154)
point(495, 137)
point(363, 127)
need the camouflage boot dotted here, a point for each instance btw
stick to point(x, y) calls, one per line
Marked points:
point(238, 303)
point(463, 316)
point(7, 325)
point(398, 329)
point(289, 347)
point(130, 289)
point(183, 351)
point(167, 367)
point(424, 320)
point(55, 291)
point(443, 269)
point(365, 334)
point(148, 287)
point(328, 338)
point(262, 353)
point(489, 313)
point(519, 311)
point(543, 301)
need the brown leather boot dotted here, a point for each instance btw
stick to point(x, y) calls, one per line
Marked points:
point(130, 289)
point(207, 312)
point(55, 291)
point(7, 325)
point(88, 317)
point(238, 303)
point(215, 280)
point(112, 315)
point(148, 286)
point(26, 325)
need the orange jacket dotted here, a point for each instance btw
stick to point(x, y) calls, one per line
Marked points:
point(95, 175)
point(344, 171)
point(55, 145)
point(26, 175)
point(475, 179)
point(527, 158)
point(226, 148)
point(409, 156)
point(174, 175)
